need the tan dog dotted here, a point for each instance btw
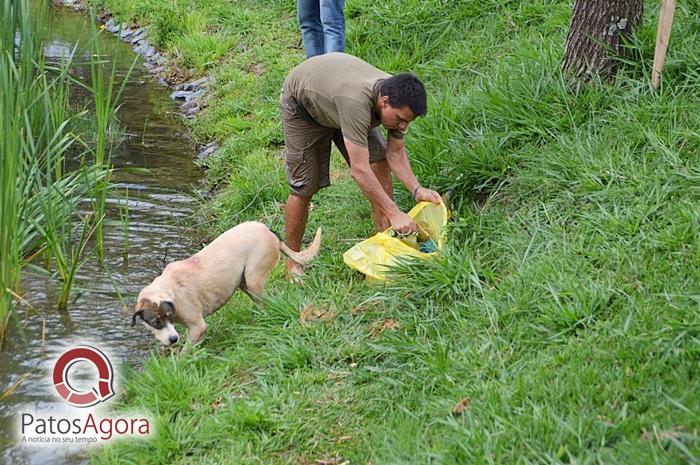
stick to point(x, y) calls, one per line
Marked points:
point(189, 290)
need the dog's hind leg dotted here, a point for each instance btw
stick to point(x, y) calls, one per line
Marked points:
point(255, 277)
point(254, 294)
point(256, 298)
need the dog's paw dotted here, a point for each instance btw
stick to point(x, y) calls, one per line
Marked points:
point(295, 274)
point(295, 279)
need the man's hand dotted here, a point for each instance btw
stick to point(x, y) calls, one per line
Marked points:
point(403, 224)
point(427, 195)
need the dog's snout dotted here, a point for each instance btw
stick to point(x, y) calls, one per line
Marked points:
point(173, 339)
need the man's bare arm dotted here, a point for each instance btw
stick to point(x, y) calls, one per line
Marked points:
point(397, 158)
point(369, 184)
point(398, 161)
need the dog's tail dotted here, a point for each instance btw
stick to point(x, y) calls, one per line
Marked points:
point(305, 256)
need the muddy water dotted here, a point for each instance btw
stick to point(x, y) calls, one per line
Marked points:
point(159, 205)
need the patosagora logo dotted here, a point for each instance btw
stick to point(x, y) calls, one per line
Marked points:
point(77, 398)
point(83, 425)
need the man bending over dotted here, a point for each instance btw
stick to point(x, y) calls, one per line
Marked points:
point(340, 98)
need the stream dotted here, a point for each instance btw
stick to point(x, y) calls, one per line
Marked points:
point(159, 204)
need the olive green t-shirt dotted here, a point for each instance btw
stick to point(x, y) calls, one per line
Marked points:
point(339, 91)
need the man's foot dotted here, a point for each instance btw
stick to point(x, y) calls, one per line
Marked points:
point(295, 272)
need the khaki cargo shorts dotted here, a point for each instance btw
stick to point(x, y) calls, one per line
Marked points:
point(308, 148)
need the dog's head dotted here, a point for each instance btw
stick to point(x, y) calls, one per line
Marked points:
point(159, 317)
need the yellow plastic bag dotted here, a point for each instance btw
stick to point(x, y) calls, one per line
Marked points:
point(373, 255)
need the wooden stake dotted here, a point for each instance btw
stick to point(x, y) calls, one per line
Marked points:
point(663, 34)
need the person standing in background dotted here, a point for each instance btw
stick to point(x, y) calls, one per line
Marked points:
point(322, 26)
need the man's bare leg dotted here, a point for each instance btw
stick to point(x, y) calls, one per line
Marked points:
point(383, 173)
point(296, 214)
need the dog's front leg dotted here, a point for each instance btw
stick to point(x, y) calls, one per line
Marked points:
point(195, 333)
point(194, 337)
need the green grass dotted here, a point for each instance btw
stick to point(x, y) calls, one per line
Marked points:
point(566, 306)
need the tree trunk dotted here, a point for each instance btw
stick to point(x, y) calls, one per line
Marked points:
point(595, 36)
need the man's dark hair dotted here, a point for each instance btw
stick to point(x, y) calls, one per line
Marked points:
point(405, 89)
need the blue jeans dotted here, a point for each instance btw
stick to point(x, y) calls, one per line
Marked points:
point(322, 26)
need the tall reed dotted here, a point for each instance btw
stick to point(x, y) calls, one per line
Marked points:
point(106, 97)
point(39, 200)
point(19, 102)
point(9, 168)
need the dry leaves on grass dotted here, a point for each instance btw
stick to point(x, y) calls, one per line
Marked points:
point(461, 406)
point(378, 327)
point(328, 461)
point(656, 435)
point(331, 461)
point(257, 69)
point(310, 314)
point(218, 403)
point(367, 305)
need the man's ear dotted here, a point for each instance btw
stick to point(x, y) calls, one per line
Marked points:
point(384, 100)
point(168, 308)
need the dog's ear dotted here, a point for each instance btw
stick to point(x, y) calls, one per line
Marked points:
point(133, 317)
point(137, 311)
point(168, 308)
